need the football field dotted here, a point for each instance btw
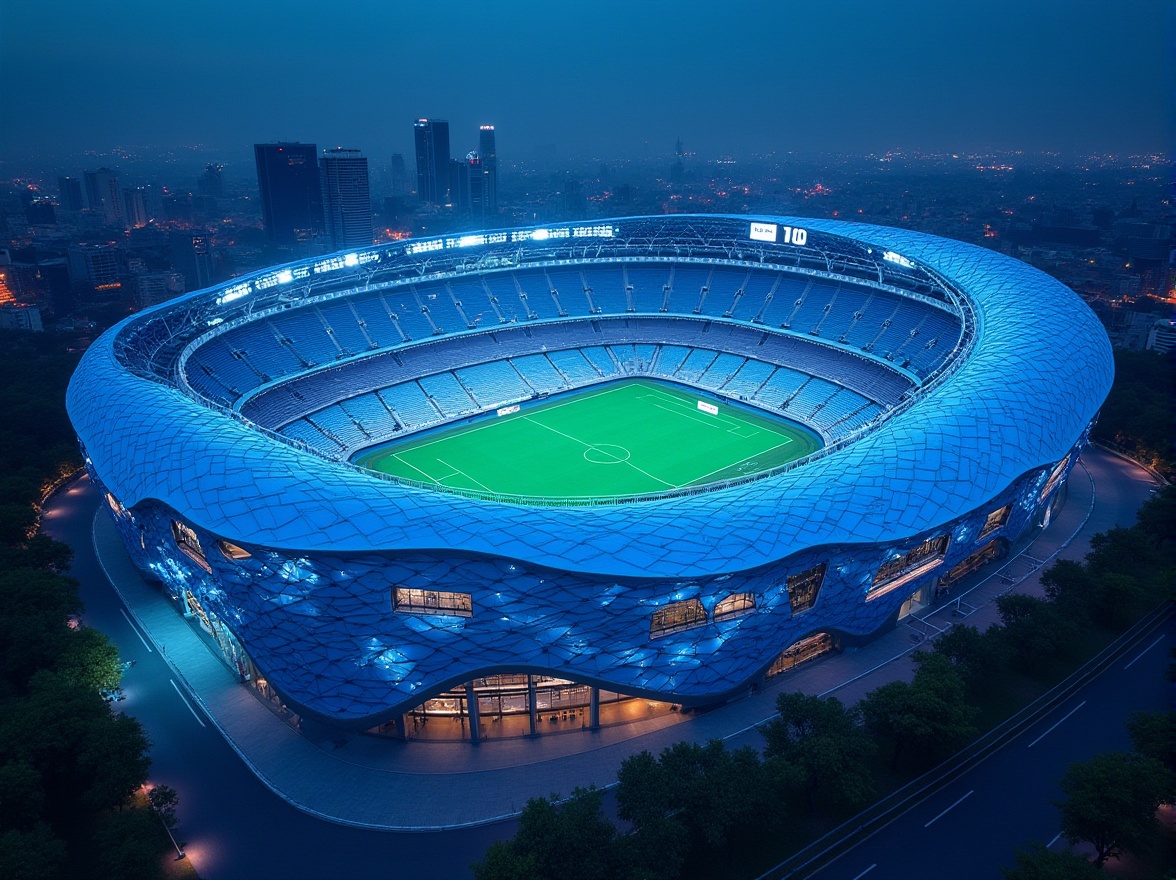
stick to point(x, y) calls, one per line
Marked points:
point(624, 438)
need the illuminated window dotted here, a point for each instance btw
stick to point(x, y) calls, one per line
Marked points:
point(995, 520)
point(676, 617)
point(804, 586)
point(1054, 477)
point(992, 550)
point(735, 605)
point(189, 544)
point(231, 551)
point(904, 569)
point(432, 602)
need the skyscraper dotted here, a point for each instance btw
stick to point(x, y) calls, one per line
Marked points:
point(191, 255)
point(70, 190)
point(432, 160)
point(291, 195)
point(347, 202)
point(399, 175)
point(211, 182)
point(488, 153)
point(477, 186)
point(135, 206)
point(104, 195)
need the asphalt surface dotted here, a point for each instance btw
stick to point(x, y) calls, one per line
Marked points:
point(233, 826)
point(973, 827)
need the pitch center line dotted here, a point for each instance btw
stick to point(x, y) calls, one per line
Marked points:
point(594, 446)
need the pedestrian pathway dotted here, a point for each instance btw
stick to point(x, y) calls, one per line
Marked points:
point(381, 783)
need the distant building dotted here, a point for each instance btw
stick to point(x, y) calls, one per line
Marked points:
point(398, 175)
point(135, 207)
point(291, 194)
point(94, 271)
point(191, 255)
point(347, 201)
point(23, 318)
point(104, 196)
point(39, 212)
point(69, 191)
point(488, 152)
point(211, 181)
point(478, 186)
point(153, 288)
point(431, 137)
point(459, 186)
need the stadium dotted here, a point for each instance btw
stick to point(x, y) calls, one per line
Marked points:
point(550, 474)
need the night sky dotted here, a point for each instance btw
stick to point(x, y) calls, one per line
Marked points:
point(594, 78)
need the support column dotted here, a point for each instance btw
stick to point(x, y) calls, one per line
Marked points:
point(472, 710)
point(594, 710)
point(402, 727)
point(532, 711)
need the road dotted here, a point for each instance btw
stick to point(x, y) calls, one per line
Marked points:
point(234, 826)
point(973, 827)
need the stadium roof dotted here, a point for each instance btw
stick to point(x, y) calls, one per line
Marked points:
point(1039, 370)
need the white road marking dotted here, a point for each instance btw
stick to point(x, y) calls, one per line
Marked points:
point(949, 809)
point(1144, 651)
point(135, 631)
point(1055, 840)
point(865, 872)
point(1064, 717)
point(186, 703)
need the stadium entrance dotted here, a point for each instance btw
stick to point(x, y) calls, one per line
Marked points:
point(517, 705)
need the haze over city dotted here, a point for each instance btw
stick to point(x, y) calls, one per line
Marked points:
point(605, 79)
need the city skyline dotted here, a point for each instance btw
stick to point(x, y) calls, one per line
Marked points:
point(623, 82)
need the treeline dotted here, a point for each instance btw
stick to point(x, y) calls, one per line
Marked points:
point(69, 765)
point(700, 811)
point(1137, 415)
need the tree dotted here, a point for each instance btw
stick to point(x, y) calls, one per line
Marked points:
point(930, 716)
point(164, 799)
point(1035, 631)
point(1154, 734)
point(89, 659)
point(822, 739)
point(569, 841)
point(978, 657)
point(1039, 863)
point(31, 855)
point(1111, 802)
point(22, 795)
point(129, 846)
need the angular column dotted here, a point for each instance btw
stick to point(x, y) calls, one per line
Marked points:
point(472, 710)
point(532, 712)
point(594, 710)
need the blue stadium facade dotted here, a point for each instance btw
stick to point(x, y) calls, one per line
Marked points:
point(953, 388)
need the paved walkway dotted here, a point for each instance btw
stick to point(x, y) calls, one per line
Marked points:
point(378, 783)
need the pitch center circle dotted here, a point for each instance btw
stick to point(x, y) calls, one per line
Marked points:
point(606, 453)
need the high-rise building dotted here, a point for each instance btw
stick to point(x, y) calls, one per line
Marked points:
point(488, 152)
point(432, 160)
point(399, 175)
point(153, 288)
point(478, 186)
point(70, 191)
point(104, 195)
point(135, 206)
point(291, 194)
point(211, 181)
point(95, 271)
point(347, 201)
point(192, 257)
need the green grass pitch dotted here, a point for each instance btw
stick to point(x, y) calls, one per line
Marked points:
point(626, 438)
